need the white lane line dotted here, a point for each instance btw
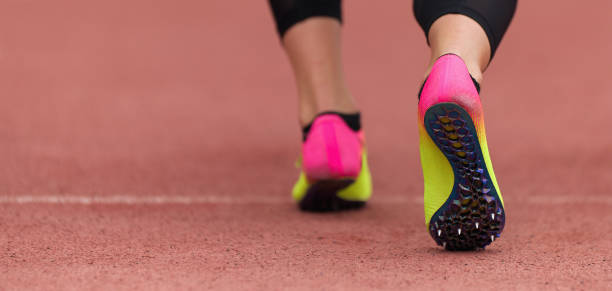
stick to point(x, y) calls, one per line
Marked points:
point(174, 199)
point(567, 199)
point(136, 200)
point(262, 199)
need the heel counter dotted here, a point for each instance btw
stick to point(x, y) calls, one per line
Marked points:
point(449, 81)
point(332, 150)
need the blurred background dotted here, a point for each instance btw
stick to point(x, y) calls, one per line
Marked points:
point(189, 97)
point(196, 100)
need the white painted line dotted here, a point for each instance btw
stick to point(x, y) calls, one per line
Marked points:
point(567, 199)
point(262, 199)
point(136, 200)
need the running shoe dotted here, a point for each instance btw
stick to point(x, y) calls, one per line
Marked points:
point(334, 168)
point(464, 209)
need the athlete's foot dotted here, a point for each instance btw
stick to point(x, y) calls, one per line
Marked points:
point(464, 209)
point(335, 173)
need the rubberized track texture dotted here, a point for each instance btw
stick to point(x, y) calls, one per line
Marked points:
point(150, 145)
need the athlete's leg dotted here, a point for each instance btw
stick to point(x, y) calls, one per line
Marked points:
point(471, 29)
point(463, 204)
point(335, 173)
point(460, 35)
point(310, 33)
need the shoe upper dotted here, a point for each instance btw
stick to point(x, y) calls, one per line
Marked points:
point(332, 150)
point(449, 81)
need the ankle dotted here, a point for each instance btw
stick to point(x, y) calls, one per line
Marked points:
point(311, 106)
point(476, 74)
point(460, 35)
point(474, 67)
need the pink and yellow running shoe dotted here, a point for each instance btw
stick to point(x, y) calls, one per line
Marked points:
point(335, 173)
point(463, 205)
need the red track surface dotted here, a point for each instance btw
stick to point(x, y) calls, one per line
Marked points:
point(178, 118)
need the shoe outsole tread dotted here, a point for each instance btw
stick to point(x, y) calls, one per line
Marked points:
point(473, 216)
point(322, 196)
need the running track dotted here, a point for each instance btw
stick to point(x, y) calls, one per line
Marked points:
point(150, 145)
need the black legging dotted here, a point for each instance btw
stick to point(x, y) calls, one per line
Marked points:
point(493, 15)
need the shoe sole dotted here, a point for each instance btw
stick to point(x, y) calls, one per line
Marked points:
point(322, 197)
point(473, 215)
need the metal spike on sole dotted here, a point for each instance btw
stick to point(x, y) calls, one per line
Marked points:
point(473, 210)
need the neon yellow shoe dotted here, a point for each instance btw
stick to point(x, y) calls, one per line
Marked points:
point(335, 173)
point(464, 208)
